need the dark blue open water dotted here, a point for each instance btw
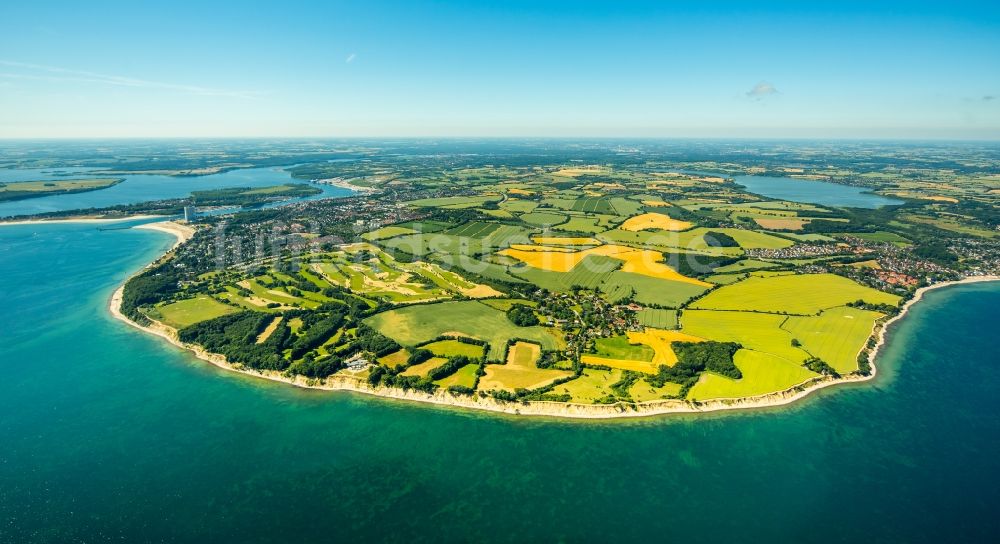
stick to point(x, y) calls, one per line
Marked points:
point(109, 435)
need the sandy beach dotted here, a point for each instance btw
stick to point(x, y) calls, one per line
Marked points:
point(182, 232)
point(346, 382)
point(98, 220)
point(344, 184)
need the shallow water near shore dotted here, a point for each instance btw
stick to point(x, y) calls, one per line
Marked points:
point(143, 187)
point(107, 433)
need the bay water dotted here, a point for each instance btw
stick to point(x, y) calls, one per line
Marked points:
point(108, 434)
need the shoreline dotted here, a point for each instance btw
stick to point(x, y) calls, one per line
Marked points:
point(344, 184)
point(81, 219)
point(182, 232)
point(344, 382)
point(918, 295)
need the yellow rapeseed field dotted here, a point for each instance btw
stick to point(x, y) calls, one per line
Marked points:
point(639, 261)
point(649, 263)
point(648, 221)
point(658, 339)
point(559, 261)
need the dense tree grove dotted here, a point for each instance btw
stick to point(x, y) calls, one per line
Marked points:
point(935, 251)
point(715, 356)
point(314, 333)
point(149, 287)
point(522, 316)
point(693, 358)
point(369, 340)
point(820, 366)
point(246, 196)
point(449, 368)
point(887, 309)
point(720, 239)
point(418, 356)
point(235, 337)
point(317, 367)
point(693, 264)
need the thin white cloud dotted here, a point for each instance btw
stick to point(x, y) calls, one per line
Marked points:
point(761, 90)
point(55, 73)
point(351, 57)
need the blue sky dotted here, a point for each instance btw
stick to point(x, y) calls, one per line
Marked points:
point(657, 69)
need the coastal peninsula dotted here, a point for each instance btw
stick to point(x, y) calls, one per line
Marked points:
point(585, 291)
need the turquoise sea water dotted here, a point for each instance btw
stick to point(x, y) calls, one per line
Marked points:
point(110, 435)
point(141, 188)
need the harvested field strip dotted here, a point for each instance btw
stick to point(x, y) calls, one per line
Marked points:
point(424, 367)
point(523, 354)
point(566, 241)
point(781, 224)
point(520, 371)
point(395, 358)
point(271, 327)
point(621, 364)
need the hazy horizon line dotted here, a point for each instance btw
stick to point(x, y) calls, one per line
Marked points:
point(989, 139)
